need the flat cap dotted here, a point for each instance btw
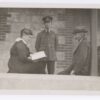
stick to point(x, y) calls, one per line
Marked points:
point(47, 19)
point(80, 29)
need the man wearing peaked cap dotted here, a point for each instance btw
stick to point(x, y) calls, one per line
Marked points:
point(47, 19)
point(81, 55)
point(47, 41)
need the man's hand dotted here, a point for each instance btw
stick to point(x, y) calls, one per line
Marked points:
point(72, 72)
point(33, 60)
point(30, 57)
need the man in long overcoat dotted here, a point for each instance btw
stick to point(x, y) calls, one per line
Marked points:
point(47, 41)
point(81, 56)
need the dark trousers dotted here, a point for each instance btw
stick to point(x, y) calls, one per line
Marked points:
point(50, 66)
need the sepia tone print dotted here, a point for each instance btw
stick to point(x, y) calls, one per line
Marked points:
point(63, 34)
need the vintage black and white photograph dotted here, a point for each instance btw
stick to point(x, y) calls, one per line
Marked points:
point(63, 42)
point(60, 36)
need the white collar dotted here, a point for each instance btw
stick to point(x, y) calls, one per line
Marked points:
point(20, 39)
point(47, 30)
point(80, 41)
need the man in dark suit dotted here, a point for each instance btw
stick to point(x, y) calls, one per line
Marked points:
point(47, 41)
point(20, 61)
point(81, 56)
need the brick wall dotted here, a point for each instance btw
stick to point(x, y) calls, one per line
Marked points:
point(63, 24)
point(4, 31)
point(4, 28)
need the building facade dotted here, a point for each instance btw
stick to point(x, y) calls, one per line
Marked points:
point(12, 20)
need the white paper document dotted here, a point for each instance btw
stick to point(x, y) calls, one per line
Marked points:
point(38, 55)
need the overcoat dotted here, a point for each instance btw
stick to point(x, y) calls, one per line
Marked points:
point(47, 41)
point(81, 62)
point(19, 62)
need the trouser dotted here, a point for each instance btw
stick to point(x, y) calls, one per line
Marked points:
point(50, 66)
point(67, 71)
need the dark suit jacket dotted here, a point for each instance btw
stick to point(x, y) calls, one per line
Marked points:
point(81, 61)
point(47, 41)
point(19, 62)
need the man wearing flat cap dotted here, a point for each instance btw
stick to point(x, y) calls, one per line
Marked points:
point(47, 41)
point(81, 55)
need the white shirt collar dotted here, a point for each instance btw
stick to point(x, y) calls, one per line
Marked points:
point(47, 30)
point(20, 39)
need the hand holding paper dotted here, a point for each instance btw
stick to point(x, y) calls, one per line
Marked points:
point(38, 55)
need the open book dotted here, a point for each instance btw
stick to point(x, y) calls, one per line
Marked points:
point(38, 55)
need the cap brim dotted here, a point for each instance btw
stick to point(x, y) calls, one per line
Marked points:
point(79, 31)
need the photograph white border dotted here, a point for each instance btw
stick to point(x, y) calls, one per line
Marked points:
point(32, 4)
